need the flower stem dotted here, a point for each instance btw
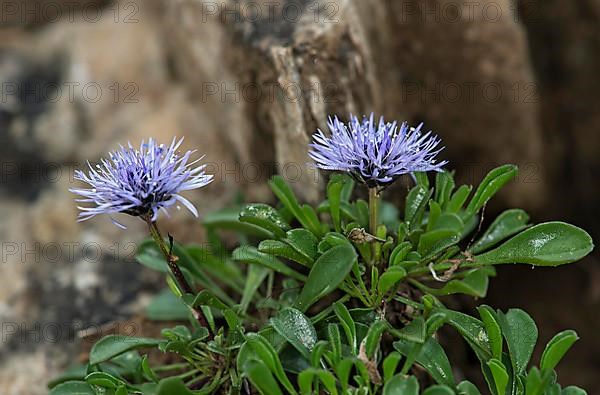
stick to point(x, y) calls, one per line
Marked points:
point(172, 259)
point(373, 219)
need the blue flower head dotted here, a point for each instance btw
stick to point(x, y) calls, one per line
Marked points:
point(140, 182)
point(375, 154)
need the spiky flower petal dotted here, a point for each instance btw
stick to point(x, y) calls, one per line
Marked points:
point(140, 182)
point(375, 154)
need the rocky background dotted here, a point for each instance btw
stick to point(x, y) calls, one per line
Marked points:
point(247, 82)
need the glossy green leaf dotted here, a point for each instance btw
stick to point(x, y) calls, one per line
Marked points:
point(547, 244)
point(266, 217)
point(335, 342)
point(254, 277)
point(283, 250)
point(390, 364)
point(520, 332)
point(491, 184)
point(556, 348)
point(499, 375)
point(103, 379)
point(401, 385)
point(444, 184)
point(306, 380)
point(348, 324)
point(471, 329)
point(205, 298)
point(458, 199)
point(573, 390)
point(303, 242)
point(421, 178)
point(439, 390)
point(112, 345)
point(509, 223)
point(435, 241)
point(414, 331)
point(328, 272)
point(432, 358)
point(297, 329)
point(286, 196)
point(249, 254)
point(475, 284)
point(390, 278)
point(265, 351)
point(261, 377)
point(492, 327)
point(334, 196)
point(399, 253)
point(229, 218)
point(374, 337)
point(416, 202)
point(467, 388)
point(73, 388)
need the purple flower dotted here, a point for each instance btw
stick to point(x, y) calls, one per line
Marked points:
point(375, 155)
point(140, 182)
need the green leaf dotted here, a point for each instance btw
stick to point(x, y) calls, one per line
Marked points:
point(416, 201)
point(509, 223)
point(103, 379)
point(297, 329)
point(471, 329)
point(390, 364)
point(421, 178)
point(249, 254)
point(431, 357)
point(414, 331)
point(229, 218)
point(492, 327)
point(266, 217)
point(335, 342)
point(281, 249)
point(285, 195)
point(254, 277)
point(205, 298)
point(499, 375)
point(328, 272)
point(557, 348)
point(458, 199)
point(261, 377)
point(348, 324)
point(573, 390)
point(467, 388)
point(306, 380)
point(399, 253)
point(112, 345)
point(520, 332)
point(303, 242)
point(444, 184)
point(435, 241)
point(147, 370)
point(475, 284)
point(547, 244)
point(72, 388)
point(538, 383)
point(401, 385)
point(390, 278)
point(167, 307)
point(439, 390)
point(374, 337)
point(150, 256)
point(491, 184)
point(265, 351)
point(334, 192)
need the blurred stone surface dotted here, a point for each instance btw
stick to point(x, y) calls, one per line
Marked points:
point(247, 83)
